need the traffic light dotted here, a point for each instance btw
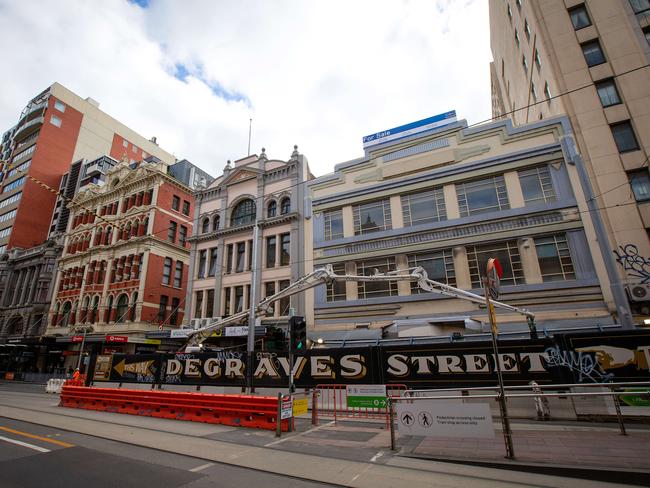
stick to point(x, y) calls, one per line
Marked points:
point(298, 328)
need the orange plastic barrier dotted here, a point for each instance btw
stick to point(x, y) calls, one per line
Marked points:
point(236, 410)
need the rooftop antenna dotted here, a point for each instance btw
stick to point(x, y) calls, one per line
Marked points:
point(250, 126)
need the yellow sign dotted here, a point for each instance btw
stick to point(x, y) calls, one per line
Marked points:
point(151, 341)
point(300, 407)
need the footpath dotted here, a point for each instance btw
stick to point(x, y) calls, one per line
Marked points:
point(357, 453)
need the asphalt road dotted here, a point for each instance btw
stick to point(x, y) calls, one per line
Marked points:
point(36, 456)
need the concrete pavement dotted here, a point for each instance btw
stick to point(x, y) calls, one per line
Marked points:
point(382, 469)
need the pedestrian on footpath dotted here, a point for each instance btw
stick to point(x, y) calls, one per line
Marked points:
point(541, 403)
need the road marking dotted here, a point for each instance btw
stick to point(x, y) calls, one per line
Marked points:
point(376, 456)
point(201, 468)
point(298, 435)
point(33, 436)
point(24, 444)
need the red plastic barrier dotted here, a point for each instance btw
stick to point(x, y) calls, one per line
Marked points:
point(236, 410)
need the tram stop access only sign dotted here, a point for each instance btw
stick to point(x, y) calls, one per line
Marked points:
point(366, 396)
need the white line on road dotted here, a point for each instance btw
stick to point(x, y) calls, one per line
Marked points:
point(376, 456)
point(298, 435)
point(201, 468)
point(24, 444)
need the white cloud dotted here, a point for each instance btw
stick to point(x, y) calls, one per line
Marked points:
point(320, 74)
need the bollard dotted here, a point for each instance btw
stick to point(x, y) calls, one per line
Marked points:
point(278, 428)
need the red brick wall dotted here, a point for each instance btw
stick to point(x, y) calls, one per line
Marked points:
point(153, 287)
point(118, 150)
point(52, 157)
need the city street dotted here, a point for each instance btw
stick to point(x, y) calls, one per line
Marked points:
point(40, 441)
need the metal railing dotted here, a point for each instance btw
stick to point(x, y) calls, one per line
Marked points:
point(615, 390)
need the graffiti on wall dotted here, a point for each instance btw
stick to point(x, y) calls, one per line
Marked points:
point(633, 263)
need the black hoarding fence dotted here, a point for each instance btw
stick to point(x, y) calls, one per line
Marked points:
point(575, 358)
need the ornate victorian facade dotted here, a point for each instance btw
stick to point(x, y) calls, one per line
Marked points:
point(256, 192)
point(124, 268)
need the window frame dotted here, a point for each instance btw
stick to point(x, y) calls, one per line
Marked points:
point(285, 249)
point(167, 271)
point(628, 124)
point(409, 202)
point(596, 43)
point(542, 176)
point(577, 8)
point(634, 175)
point(500, 192)
point(176, 202)
point(376, 289)
point(383, 205)
point(178, 274)
point(330, 217)
point(562, 253)
point(607, 83)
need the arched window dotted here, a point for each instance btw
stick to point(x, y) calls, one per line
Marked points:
point(215, 223)
point(65, 319)
point(243, 213)
point(109, 307)
point(107, 238)
point(285, 206)
point(122, 307)
point(85, 308)
point(205, 226)
point(272, 209)
point(134, 229)
point(134, 302)
point(93, 313)
point(16, 326)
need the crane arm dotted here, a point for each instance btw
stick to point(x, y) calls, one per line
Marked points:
point(326, 275)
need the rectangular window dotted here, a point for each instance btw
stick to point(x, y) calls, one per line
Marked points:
point(250, 256)
point(547, 92)
point(640, 6)
point(372, 217)
point(579, 17)
point(438, 265)
point(201, 266)
point(285, 303)
point(527, 29)
point(640, 183)
point(55, 121)
point(10, 200)
point(229, 256)
point(376, 288)
point(182, 236)
point(554, 258)
point(536, 185)
point(226, 302)
point(270, 252)
point(186, 207)
point(167, 271)
point(480, 196)
point(198, 305)
point(19, 169)
point(508, 255)
point(212, 266)
point(624, 137)
point(424, 208)
point(59, 105)
point(239, 299)
point(125, 143)
point(646, 32)
point(607, 92)
point(14, 184)
point(517, 37)
point(285, 249)
point(162, 308)
point(336, 289)
point(173, 317)
point(178, 274)
point(538, 59)
point(533, 91)
point(333, 224)
point(209, 306)
point(171, 232)
point(269, 289)
point(241, 255)
point(176, 203)
point(524, 63)
point(509, 10)
point(5, 232)
point(8, 216)
point(593, 53)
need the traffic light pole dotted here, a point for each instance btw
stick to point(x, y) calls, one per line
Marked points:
point(291, 359)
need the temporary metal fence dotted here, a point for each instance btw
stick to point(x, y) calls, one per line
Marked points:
point(615, 391)
point(332, 401)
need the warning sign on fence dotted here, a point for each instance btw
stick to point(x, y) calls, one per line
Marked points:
point(445, 419)
point(287, 409)
point(300, 407)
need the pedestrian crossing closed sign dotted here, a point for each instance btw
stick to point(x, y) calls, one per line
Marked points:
point(366, 396)
point(444, 419)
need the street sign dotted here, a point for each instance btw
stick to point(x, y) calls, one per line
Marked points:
point(366, 396)
point(300, 407)
point(286, 411)
point(438, 418)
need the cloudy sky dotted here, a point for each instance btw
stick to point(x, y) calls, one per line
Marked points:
point(320, 74)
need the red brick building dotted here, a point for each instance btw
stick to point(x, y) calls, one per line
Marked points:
point(124, 267)
point(54, 129)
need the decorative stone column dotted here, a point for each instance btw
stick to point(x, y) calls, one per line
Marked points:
point(529, 261)
point(461, 268)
